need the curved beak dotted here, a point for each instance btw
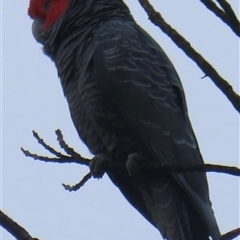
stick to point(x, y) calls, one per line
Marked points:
point(37, 30)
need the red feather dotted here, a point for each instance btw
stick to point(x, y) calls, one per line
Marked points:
point(37, 10)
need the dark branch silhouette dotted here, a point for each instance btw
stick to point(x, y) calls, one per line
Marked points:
point(231, 15)
point(21, 234)
point(78, 185)
point(73, 157)
point(182, 43)
point(227, 16)
point(231, 235)
point(14, 228)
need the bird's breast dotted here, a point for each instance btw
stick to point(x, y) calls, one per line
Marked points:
point(99, 123)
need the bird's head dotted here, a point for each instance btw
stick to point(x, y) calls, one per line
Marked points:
point(45, 13)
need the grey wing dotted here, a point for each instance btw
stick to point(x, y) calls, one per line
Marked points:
point(144, 86)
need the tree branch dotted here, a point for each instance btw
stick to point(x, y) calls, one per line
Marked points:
point(13, 228)
point(21, 234)
point(147, 168)
point(233, 21)
point(231, 235)
point(78, 185)
point(156, 168)
point(74, 157)
point(181, 42)
point(230, 19)
point(71, 157)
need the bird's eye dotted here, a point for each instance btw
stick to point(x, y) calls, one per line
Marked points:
point(47, 5)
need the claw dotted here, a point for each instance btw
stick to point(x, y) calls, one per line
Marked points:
point(134, 163)
point(98, 165)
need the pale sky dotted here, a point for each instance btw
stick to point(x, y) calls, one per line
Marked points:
point(32, 99)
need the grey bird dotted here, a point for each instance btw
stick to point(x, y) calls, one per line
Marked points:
point(128, 106)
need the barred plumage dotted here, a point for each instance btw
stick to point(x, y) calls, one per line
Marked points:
point(126, 101)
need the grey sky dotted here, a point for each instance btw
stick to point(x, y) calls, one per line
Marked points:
point(32, 99)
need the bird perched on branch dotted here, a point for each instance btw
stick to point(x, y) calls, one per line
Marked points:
point(128, 106)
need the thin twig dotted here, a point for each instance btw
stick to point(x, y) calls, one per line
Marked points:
point(231, 15)
point(47, 147)
point(181, 42)
point(155, 168)
point(70, 151)
point(13, 228)
point(72, 157)
point(62, 159)
point(231, 235)
point(222, 15)
point(145, 166)
point(78, 185)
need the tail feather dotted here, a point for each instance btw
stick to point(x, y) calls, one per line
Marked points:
point(173, 215)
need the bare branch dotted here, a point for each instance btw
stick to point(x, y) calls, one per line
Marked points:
point(181, 42)
point(68, 150)
point(224, 16)
point(72, 157)
point(63, 144)
point(147, 167)
point(231, 235)
point(47, 147)
point(78, 185)
point(62, 159)
point(156, 168)
point(144, 166)
point(21, 234)
point(233, 20)
point(13, 228)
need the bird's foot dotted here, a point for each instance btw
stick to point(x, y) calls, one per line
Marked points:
point(135, 162)
point(98, 165)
